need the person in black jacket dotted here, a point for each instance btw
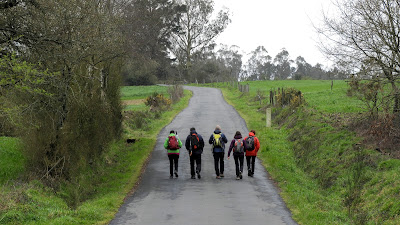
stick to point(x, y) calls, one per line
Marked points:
point(194, 144)
point(218, 140)
point(237, 145)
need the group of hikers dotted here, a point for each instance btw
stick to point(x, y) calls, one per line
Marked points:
point(241, 147)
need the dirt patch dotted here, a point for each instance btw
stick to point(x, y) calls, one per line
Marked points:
point(133, 102)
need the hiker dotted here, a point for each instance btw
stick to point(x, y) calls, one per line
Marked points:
point(238, 153)
point(251, 146)
point(173, 144)
point(195, 144)
point(218, 140)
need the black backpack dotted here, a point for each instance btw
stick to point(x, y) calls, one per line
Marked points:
point(250, 143)
point(194, 142)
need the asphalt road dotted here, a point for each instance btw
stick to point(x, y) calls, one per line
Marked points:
point(161, 200)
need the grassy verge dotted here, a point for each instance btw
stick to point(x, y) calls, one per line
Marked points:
point(100, 190)
point(325, 178)
point(11, 159)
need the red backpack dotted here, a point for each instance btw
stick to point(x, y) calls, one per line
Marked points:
point(173, 143)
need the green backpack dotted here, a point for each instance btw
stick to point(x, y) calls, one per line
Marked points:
point(217, 140)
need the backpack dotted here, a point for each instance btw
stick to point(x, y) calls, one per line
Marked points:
point(250, 143)
point(238, 147)
point(173, 143)
point(194, 142)
point(217, 140)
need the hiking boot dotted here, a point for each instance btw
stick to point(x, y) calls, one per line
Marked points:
point(237, 178)
point(171, 176)
point(176, 173)
point(222, 175)
point(198, 175)
point(193, 177)
point(240, 175)
point(218, 177)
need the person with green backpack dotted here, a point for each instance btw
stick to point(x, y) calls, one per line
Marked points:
point(173, 144)
point(238, 153)
point(218, 140)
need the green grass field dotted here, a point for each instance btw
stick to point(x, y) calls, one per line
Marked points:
point(141, 92)
point(114, 176)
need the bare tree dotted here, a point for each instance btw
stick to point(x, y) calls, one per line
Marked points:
point(365, 35)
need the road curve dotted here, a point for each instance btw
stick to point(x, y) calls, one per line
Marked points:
point(161, 200)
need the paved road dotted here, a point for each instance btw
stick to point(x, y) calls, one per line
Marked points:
point(161, 200)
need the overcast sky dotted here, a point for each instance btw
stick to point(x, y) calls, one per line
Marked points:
point(275, 24)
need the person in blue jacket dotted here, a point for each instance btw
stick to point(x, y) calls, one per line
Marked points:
point(218, 140)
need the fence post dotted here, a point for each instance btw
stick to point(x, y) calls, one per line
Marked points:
point(268, 117)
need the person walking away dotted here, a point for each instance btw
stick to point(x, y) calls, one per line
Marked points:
point(218, 140)
point(194, 144)
point(173, 144)
point(251, 146)
point(238, 153)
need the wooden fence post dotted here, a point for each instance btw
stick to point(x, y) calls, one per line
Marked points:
point(268, 117)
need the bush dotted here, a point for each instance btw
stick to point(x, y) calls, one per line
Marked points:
point(158, 102)
point(289, 97)
point(65, 120)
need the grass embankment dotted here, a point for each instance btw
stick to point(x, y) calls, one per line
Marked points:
point(109, 181)
point(312, 154)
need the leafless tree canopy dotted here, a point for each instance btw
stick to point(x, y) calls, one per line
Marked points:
point(365, 35)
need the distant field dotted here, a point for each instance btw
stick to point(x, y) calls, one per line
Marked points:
point(317, 93)
point(133, 97)
point(141, 92)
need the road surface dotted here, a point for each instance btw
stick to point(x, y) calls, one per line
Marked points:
point(161, 200)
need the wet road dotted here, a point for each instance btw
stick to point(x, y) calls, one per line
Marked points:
point(161, 200)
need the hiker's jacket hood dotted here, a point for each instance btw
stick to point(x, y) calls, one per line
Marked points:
point(256, 145)
point(172, 152)
point(223, 138)
point(233, 145)
point(188, 143)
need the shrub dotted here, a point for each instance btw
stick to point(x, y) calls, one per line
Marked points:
point(158, 102)
point(289, 97)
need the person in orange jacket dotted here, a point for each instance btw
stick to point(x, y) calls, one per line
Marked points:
point(251, 146)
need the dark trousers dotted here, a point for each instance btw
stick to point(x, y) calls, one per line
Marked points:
point(250, 164)
point(239, 163)
point(195, 158)
point(219, 162)
point(173, 159)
